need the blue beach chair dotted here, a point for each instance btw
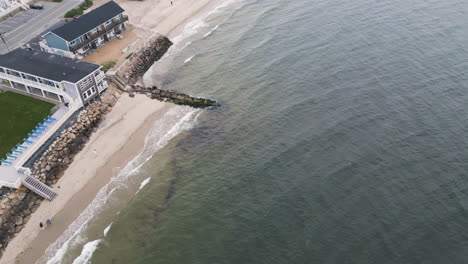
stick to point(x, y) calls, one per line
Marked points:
point(47, 121)
point(16, 151)
point(21, 146)
point(11, 156)
point(37, 132)
point(31, 135)
point(28, 141)
point(6, 162)
point(51, 118)
point(43, 126)
point(38, 128)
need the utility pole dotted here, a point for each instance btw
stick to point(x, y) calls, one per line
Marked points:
point(4, 41)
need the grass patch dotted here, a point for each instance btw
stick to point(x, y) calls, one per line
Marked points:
point(19, 115)
point(57, 1)
point(108, 65)
point(80, 10)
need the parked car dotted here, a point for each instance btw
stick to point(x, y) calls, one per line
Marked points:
point(75, 17)
point(36, 6)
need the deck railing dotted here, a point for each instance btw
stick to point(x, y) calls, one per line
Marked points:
point(93, 36)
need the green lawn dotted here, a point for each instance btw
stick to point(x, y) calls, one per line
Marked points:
point(19, 115)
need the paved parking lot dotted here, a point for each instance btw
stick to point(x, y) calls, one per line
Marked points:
point(21, 18)
point(25, 25)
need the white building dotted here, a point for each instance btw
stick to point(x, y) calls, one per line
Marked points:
point(54, 77)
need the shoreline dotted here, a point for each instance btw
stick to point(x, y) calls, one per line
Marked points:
point(76, 194)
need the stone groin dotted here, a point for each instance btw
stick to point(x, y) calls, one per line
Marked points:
point(146, 57)
point(175, 97)
point(15, 212)
point(140, 63)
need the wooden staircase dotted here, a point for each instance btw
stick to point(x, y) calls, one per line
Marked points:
point(38, 187)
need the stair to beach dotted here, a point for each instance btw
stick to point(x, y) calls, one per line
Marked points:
point(38, 187)
point(117, 81)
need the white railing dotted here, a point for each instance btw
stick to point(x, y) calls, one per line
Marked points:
point(100, 76)
point(40, 141)
point(34, 84)
point(134, 50)
point(103, 86)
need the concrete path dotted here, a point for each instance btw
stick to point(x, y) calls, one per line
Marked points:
point(9, 176)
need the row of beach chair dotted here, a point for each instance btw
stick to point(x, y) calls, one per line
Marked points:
point(35, 134)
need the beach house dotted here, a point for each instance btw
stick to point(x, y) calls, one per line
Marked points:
point(86, 33)
point(51, 77)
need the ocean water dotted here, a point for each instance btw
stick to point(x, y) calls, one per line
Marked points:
point(341, 139)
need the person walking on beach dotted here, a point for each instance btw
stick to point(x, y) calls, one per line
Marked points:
point(48, 222)
point(41, 225)
point(94, 151)
point(171, 2)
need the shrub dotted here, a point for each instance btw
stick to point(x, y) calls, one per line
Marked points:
point(108, 65)
point(80, 10)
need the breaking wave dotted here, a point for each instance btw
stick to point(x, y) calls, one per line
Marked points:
point(175, 121)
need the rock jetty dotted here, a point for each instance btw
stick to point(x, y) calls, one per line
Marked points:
point(175, 97)
point(140, 63)
point(146, 57)
point(15, 212)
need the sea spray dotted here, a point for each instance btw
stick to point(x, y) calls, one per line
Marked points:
point(175, 121)
point(189, 59)
point(143, 184)
point(211, 31)
point(191, 29)
point(87, 252)
point(107, 229)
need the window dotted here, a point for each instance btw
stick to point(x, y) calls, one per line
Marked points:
point(108, 22)
point(47, 82)
point(72, 42)
point(2, 70)
point(31, 78)
point(13, 73)
point(89, 92)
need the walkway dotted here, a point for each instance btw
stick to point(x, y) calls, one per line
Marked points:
point(10, 175)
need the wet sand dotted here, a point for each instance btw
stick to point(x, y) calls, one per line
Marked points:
point(119, 138)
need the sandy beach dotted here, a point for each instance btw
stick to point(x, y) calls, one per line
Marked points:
point(118, 139)
point(161, 16)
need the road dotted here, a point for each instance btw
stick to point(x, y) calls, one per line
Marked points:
point(18, 31)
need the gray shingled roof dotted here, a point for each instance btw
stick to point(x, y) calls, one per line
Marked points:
point(46, 65)
point(89, 21)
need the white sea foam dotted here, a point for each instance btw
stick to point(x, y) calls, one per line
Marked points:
point(189, 59)
point(143, 184)
point(172, 124)
point(211, 31)
point(191, 29)
point(73, 235)
point(107, 229)
point(87, 252)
